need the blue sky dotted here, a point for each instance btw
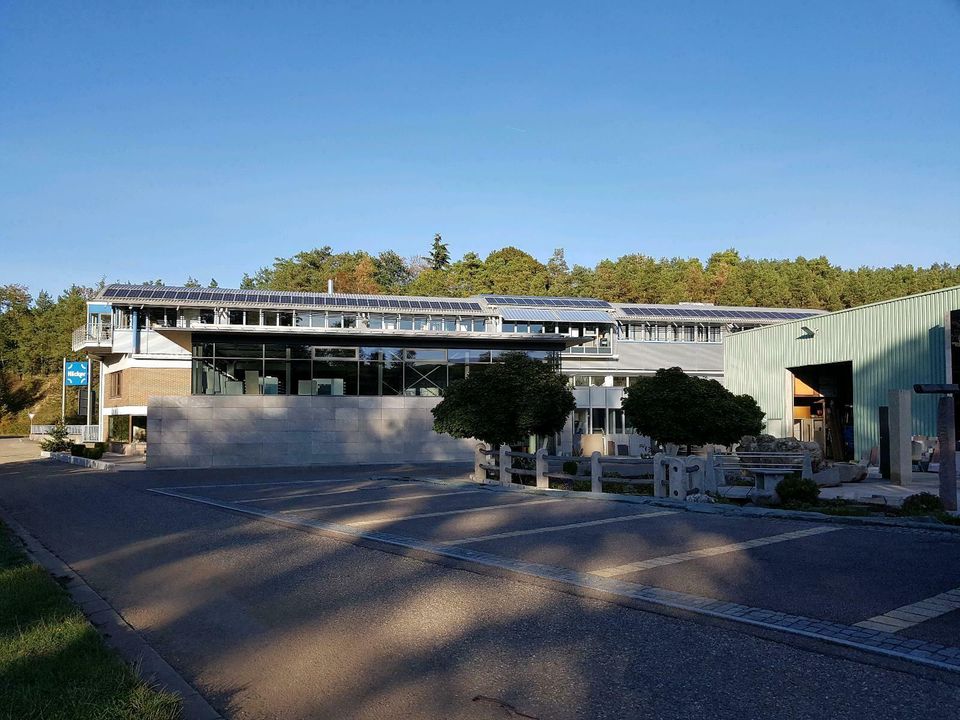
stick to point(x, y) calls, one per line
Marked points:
point(146, 140)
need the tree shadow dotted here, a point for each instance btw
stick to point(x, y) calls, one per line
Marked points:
point(270, 622)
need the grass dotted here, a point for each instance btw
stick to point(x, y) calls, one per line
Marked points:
point(53, 664)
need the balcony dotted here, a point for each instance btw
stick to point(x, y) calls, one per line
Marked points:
point(92, 337)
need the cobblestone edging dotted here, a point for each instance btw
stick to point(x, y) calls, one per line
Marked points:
point(874, 641)
point(74, 460)
point(720, 508)
point(116, 633)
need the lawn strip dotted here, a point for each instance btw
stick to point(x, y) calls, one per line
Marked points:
point(53, 664)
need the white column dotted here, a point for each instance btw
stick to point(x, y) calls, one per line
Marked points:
point(901, 463)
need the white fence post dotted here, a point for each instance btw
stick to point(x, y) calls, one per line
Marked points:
point(709, 473)
point(479, 459)
point(542, 480)
point(596, 485)
point(661, 481)
point(505, 461)
point(694, 471)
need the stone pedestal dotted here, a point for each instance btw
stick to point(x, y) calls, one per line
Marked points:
point(901, 433)
point(947, 436)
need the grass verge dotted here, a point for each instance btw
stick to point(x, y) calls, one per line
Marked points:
point(53, 664)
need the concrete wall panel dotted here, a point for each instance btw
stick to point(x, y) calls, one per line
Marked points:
point(234, 431)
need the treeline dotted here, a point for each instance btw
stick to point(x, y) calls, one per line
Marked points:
point(725, 279)
point(35, 336)
point(36, 333)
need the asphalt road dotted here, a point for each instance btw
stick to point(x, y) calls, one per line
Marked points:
point(270, 622)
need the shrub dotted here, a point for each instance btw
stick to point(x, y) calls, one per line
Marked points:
point(58, 439)
point(921, 504)
point(94, 453)
point(78, 450)
point(570, 467)
point(797, 490)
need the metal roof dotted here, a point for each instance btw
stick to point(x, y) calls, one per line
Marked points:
point(712, 312)
point(544, 302)
point(226, 297)
point(566, 316)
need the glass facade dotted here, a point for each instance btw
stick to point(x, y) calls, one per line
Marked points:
point(674, 332)
point(278, 368)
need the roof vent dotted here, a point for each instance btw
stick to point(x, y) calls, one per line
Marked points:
point(330, 286)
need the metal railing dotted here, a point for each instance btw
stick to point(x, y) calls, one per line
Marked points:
point(87, 335)
point(85, 433)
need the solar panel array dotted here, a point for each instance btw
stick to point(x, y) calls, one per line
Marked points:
point(715, 313)
point(566, 302)
point(278, 297)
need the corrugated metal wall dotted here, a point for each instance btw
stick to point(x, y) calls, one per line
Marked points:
point(892, 345)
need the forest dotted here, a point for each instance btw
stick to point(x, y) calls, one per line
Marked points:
point(35, 332)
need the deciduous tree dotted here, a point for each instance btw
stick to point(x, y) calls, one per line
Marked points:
point(673, 407)
point(506, 402)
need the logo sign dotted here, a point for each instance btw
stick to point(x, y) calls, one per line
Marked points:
point(76, 374)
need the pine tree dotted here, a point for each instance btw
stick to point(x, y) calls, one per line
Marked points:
point(439, 254)
point(58, 439)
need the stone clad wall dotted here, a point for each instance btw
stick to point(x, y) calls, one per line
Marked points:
point(239, 430)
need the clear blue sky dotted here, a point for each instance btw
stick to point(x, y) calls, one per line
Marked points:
point(146, 140)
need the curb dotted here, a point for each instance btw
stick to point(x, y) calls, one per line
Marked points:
point(114, 630)
point(717, 508)
point(74, 460)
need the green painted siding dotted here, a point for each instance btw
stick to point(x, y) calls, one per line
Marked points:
point(891, 344)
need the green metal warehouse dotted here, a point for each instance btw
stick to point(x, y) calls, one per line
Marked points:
point(824, 378)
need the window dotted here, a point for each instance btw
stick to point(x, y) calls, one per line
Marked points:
point(236, 317)
point(279, 368)
point(162, 317)
point(115, 384)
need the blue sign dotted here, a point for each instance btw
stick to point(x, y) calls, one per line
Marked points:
point(76, 373)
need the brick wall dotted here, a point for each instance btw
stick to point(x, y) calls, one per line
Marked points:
point(138, 385)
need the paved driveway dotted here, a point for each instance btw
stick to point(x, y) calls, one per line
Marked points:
point(271, 622)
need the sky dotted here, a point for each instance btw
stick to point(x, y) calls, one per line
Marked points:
point(164, 140)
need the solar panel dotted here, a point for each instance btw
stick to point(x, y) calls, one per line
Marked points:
point(717, 313)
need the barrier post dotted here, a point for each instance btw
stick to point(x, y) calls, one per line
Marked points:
point(505, 478)
point(479, 458)
point(542, 480)
point(660, 481)
point(596, 484)
point(709, 473)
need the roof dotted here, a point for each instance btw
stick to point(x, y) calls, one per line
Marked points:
point(575, 316)
point(167, 295)
point(544, 302)
point(509, 307)
point(716, 313)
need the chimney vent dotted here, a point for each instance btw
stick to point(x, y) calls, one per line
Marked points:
point(330, 286)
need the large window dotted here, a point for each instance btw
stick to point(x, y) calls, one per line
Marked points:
point(675, 332)
point(243, 368)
